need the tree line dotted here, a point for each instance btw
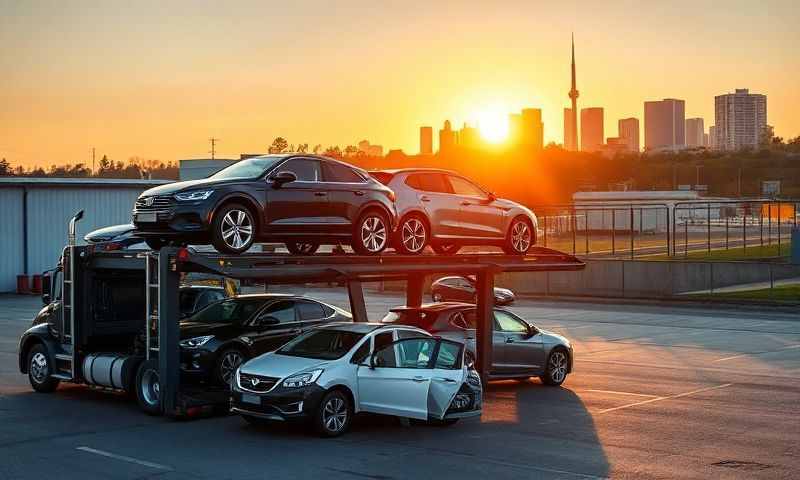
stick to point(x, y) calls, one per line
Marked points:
point(134, 168)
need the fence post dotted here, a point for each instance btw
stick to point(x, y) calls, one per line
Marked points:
point(545, 230)
point(686, 238)
point(779, 229)
point(708, 228)
point(761, 222)
point(744, 229)
point(674, 248)
point(573, 226)
point(726, 229)
point(631, 232)
point(586, 230)
point(613, 231)
point(769, 224)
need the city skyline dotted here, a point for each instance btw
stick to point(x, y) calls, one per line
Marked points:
point(112, 78)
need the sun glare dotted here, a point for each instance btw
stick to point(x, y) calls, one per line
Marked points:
point(493, 126)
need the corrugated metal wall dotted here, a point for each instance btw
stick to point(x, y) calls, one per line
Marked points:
point(49, 210)
point(10, 237)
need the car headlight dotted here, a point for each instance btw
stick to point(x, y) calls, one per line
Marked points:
point(302, 379)
point(193, 196)
point(196, 341)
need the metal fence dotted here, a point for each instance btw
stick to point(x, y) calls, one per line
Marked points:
point(618, 230)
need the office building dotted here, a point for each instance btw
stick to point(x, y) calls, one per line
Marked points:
point(629, 132)
point(468, 137)
point(592, 129)
point(425, 140)
point(695, 131)
point(740, 119)
point(712, 137)
point(447, 138)
point(531, 128)
point(664, 127)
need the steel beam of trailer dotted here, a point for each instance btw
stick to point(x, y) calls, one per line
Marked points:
point(352, 270)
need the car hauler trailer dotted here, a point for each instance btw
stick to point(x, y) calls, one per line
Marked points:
point(122, 351)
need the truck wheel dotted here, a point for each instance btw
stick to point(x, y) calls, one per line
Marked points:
point(40, 370)
point(148, 388)
point(233, 229)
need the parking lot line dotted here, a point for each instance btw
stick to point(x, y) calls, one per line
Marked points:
point(669, 397)
point(725, 359)
point(614, 392)
point(123, 458)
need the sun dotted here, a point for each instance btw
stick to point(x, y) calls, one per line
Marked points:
point(493, 126)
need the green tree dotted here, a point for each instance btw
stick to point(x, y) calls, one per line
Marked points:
point(278, 145)
point(5, 168)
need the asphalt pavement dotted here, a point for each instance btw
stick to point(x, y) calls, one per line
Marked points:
point(658, 392)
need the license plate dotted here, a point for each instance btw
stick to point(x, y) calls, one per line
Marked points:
point(249, 398)
point(146, 217)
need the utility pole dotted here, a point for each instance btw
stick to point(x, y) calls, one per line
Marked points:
point(93, 170)
point(213, 151)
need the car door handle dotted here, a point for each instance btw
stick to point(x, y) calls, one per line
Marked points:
point(320, 194)
point(509, 340)
point(424, 198)
point(359, 193)
point(418, 379)
point(443, 379)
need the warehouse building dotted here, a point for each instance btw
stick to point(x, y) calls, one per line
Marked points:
point(34, 214)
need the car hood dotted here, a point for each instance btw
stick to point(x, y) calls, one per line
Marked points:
point(109, 233)
point(221, 330)
point(172, 188)
point(549, 337)
point(281, 366)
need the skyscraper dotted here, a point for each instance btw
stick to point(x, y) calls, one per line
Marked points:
point(695, 131)
point(531, 128)
point(468, 137)
point(629, 133)
point(447, 138)
point(571, 115)
point(425, 140)
point(592, 129)
point(740, 118)
point(664, 127)
point(712, 137)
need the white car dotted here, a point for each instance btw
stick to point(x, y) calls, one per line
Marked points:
point(332, 372)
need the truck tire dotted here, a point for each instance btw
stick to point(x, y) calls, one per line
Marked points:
point(148, 388)
point(40, 370)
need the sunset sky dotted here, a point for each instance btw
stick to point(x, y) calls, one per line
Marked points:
point(157, 79)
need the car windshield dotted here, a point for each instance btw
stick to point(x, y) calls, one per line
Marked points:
point(235, 311)
point(321, 344)
point(250, 168)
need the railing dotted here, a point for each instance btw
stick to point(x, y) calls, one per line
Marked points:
point(619, 230)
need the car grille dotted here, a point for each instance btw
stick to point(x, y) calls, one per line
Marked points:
point(256, 383)
point(158, 203)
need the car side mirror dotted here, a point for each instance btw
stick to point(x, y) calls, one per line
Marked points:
point(46, 299)
point(282, 178)
point(532, 331)
point(267, 320)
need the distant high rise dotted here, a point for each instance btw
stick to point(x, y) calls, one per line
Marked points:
point(664, 127)
point(712, 137)
point(629, 133)
point(592, 129)
point(571, 121)
point(447, 138)
point(425, 140)
point(570, 136)
point(740, 118)
point(514, 128)
point(695, 131)
point(468, 137)
point(531, 128)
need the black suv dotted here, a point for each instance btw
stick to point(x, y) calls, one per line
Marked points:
point(301, 200)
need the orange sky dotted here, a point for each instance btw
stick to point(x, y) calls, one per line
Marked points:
point(157, 81)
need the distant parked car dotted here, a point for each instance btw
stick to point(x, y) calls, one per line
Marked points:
point(301, 200)
point(329, 374)
point(520, 349)
point(462, 289)
point(218, 338)
point(447, 211)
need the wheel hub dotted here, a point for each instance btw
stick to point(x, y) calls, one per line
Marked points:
point(373, 234)
point(413, 235)
point(334, 414)
point(237, 229)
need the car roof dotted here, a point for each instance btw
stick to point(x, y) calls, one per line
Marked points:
point(395, 171)
point(201, 287)
point(433, 307)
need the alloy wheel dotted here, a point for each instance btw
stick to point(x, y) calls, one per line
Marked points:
point(237, 229)
point(306, 248)
point(39, 368)
point(334, 414)
point(230, 362)
point(373, 234)
point(521, 236)
point(413, 235)
point(150, 387)
point(558, 366)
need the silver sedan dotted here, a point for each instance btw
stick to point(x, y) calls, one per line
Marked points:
point(521, 349)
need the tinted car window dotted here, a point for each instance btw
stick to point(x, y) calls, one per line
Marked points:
point(428, 182)
point(507, 323)
point(403, 334)
point(336, 172)
point(449, 356)
point(310, 311)
point(409, 353)
point(250, 168)
point(306, 169)
point(321, 344)
point(462, 186)
point(186, 301)
point(361, 353)
point(383, 339)
point(234, 311)
point(283, 311)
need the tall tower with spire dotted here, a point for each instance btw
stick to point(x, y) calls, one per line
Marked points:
point(571, 115)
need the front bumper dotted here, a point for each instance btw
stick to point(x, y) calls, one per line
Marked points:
point(174, 218)
point(197, 365)
point(278, 404)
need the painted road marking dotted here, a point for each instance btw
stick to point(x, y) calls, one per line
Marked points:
point(124, 458)
point(658, 399)
point(725, 359)
point(614, 392)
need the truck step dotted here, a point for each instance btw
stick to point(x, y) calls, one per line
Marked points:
point(64, 356)
point(62, 376)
